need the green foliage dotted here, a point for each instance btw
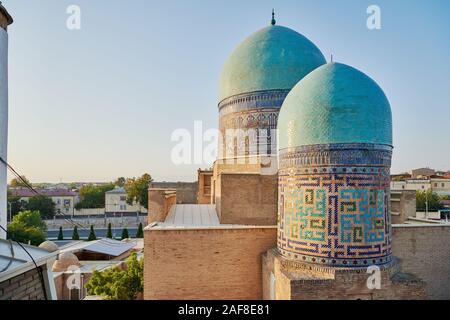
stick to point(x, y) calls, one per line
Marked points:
point(125, 234)
point(60, 234)
point(120, 182)
point(445, 197)
point(434, 201)
point(109, 233)
point(137, 190)
point(92, 236)
point(43, 204)
point(117, 284)
point(93, 196)
point(75, 235)
point(140, 232)
point(18, 183)
point(27, 227)
point(17, 205)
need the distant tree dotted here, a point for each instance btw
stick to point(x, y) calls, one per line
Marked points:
point(125, 234)
point(72, 186)
point(43, 204)
point(445, 197)
point(16, 204)
point(434, 201)
point(109, 233)
point(117, 284)
point(27, 227)
point(16, 182)
point(93, 197)
point(92, 236)
point(137, 190)
point(120, 182)
point(60, 234)
point(140, 232)
point(75, 235)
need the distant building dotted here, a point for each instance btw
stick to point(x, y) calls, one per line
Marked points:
point(422, 172)
point(439, 185)
point(65, 200)
point(116, 202)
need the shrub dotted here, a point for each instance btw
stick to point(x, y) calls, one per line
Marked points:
point(28, 227)
point(61, 234)
point(109, 233)
point(125, 234)
point(140, 232)
point(92, 236)
point(117, 284)
point(75, 235)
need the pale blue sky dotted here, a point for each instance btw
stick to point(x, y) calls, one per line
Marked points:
point(102, 102)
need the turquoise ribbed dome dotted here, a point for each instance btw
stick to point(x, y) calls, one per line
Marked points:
point(273, 58)
point(335, 104)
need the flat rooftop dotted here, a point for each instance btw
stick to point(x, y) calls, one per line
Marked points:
point(195, 216)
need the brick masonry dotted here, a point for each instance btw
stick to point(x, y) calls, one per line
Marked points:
point(226, 263)
point(248, 199)
point(425, 252)
point(205, 264)
point(27, 286)
point(307, 281)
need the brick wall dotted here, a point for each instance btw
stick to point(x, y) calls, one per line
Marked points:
point(425, 252)
point(160, 201)
point(248, 199)
point(186, 191)
point(27, 286)
point(205, 264)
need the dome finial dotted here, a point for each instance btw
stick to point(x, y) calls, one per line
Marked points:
point(273, 22)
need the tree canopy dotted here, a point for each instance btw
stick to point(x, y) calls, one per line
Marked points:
point(434, 201)
point(27, 226)
point(43, 204)
point(117, 284)
point(15, 183)
point(17, 204)
point(93, 196)
point(137, 190)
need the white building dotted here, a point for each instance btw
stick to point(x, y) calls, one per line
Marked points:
point(441, 186)
point(116, 202)
point(65, 200)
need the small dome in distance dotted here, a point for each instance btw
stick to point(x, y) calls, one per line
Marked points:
point(65, 260)
point(49, 246)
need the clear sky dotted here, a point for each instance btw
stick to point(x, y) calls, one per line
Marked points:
point(102, 102)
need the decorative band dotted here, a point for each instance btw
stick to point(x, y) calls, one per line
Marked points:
point(253, 100)
point(335, 155)
point(347, 263)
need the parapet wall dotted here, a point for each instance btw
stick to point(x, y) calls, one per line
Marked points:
point(424, 251)
point(221, 263)
point(160, 201)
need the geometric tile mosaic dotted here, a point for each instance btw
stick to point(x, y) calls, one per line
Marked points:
point(335, 217)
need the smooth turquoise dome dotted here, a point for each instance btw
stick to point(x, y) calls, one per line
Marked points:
point(273, 58)
point(335, 104)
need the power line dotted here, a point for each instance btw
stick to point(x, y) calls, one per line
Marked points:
point(30, 187)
